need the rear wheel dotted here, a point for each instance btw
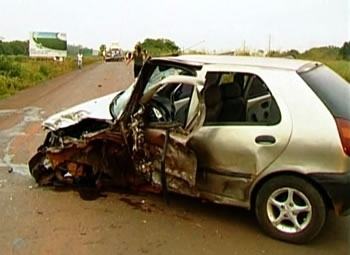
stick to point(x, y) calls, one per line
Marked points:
point(289, 208)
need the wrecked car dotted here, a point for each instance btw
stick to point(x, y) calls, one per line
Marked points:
point(267, 134)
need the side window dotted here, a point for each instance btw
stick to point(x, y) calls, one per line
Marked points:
point(184, 91)
point(257, 88)
point(182, 100)
point(261, 106)
point(240, 98)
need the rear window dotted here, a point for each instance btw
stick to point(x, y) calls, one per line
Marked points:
point(332, 89)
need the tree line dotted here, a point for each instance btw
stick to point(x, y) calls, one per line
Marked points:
point(318, 53)
point(155, 47)
point(22, 48)
point(162, 46)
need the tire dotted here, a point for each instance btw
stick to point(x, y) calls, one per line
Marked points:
point(295, 205)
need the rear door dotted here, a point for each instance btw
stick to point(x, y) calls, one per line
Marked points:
point(244, 148)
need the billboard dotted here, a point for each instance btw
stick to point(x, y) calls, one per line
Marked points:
point(47, 44)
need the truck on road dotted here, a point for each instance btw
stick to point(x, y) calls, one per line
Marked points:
point(115, 53)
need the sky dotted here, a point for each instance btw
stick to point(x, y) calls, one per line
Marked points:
point(212, 24)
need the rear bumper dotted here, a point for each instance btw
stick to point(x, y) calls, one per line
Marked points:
point(110, 59)
point(337, 186)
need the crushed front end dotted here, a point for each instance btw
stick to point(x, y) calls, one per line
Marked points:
point(125, 154)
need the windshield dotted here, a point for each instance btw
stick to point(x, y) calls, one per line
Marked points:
point(151, 74)
point(159, 75)
point(119, 102)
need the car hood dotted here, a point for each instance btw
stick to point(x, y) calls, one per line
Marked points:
point(96, 109)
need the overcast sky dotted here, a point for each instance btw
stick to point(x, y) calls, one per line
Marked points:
point(221, 24)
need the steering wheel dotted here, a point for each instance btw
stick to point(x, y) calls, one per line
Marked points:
point(160, 111)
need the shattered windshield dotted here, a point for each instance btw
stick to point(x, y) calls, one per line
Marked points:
point(153, 73)
point(159, 75)
point(119, 102)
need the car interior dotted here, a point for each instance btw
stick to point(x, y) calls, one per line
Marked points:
point(229, 98)
point(172, 102)
point(238, 97)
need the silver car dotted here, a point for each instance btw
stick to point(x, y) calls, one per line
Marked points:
point(267, 134)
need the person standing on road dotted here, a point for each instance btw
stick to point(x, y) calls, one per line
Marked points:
point(80, 60)
point(138, 58)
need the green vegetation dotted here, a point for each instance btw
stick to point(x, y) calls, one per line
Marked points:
point(14, 48)
point(154, 47)
point(22, 48)
point(18, 71)
point(21, 72)
point(73, 50)
point(337, 58)
point(342, 67)
point(160, 47)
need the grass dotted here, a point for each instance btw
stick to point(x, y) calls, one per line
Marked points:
point(342, 67)
point(21, 72)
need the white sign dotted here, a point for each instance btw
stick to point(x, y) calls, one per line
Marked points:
point(48, 44)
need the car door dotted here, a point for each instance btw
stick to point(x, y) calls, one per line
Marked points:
point(167, 140)
point(244, 148)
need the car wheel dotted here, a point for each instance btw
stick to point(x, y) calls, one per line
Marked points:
point(290, 208)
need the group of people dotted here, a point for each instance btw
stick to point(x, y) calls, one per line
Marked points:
point(139, 56)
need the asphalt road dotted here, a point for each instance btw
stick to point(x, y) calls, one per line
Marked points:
point(51, 221)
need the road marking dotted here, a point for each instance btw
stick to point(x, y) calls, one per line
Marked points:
point(17, 135)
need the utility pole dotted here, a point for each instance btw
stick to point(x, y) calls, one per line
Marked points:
point(269, 49)
point(244, 46)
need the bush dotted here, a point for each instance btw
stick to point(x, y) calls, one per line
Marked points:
point(8, 67)
point(20, 72)
point(45, 70)
point(8, 85)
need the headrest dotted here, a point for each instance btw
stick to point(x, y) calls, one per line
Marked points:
point(211, 79)
point(230, 90)
point(212, 96)
point(239, 78)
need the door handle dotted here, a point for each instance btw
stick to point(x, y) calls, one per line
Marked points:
point(265, 139)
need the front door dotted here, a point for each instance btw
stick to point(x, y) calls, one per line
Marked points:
point(166, 137)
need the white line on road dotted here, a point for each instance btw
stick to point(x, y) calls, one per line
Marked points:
point(31, 114)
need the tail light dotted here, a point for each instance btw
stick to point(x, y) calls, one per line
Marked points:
point(344, 132)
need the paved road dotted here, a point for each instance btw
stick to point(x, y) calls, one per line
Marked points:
point(46, 221)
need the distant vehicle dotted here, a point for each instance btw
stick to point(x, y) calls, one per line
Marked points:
point(115, 53)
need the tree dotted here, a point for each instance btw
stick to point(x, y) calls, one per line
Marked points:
point(102, 49)
point(14, 48)
point(160, 46)
point(73, 50)
point(324, 53)
point(293, 53)
point(345, 51)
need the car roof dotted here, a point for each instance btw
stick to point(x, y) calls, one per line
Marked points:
point(267, 62)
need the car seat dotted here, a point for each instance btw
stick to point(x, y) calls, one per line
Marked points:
point(233, 108)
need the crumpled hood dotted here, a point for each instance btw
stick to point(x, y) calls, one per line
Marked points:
point(96, 109)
